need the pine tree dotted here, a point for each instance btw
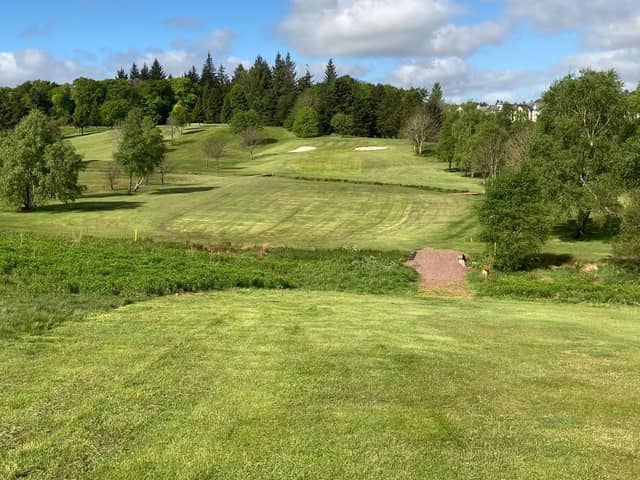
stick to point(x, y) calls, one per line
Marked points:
point(122, 75)
point(197, 115)
point(239, 74)
point(259, 90)
point(330, 74)
point(208, 75)
point(156, 72)
point(435, 104)
point(134, 73)
point(284, 86)
point(144, 72)
point(193, 75)
point(306, 81)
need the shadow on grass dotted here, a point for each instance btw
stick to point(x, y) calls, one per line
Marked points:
point(178, 190)
point(89, 207)
point(604, 231)
point(547, 260)
point(269, 141)
point(120, 193)
point(232, 167)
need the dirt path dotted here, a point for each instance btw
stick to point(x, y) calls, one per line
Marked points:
point(440, 272)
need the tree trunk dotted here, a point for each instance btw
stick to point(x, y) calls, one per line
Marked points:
point(582, 220)
point(130, 189)
point(139, 183)
point(27, 199)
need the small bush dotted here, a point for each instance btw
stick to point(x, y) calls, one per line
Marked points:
point(307, 123)
point(242, 121)
point(342, 124)
point(628, 245)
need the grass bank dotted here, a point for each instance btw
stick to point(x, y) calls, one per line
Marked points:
point(43, 280)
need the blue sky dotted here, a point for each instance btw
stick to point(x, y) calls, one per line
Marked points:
point(480, 49)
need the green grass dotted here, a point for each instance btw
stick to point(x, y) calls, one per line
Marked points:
point(281, 218)
point(330, 366)
point(280, 385)
point(610, 284)
point(334, 158)
point(256, 210)
point(44, 281)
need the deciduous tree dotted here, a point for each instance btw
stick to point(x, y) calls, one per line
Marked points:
point(213, 147)
point(36, 165)
point(141, 148)
point(577, 143)
point(421, 128)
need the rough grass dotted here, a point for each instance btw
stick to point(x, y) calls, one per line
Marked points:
point(266, 385)
point(610, 284)
point(44, 281)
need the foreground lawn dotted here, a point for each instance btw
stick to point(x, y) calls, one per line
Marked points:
point(278, 385)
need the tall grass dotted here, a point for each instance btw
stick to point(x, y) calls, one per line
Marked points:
point(81, 275)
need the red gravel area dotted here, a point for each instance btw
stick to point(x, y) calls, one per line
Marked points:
point(439, 269)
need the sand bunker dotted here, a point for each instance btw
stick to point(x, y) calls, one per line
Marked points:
point(303, 149)
point(370, 149)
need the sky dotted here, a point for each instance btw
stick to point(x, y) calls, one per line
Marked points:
point(485, 50)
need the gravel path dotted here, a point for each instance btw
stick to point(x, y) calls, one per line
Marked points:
point(439, 270)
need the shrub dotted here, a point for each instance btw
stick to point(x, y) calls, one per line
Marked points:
point(241, 121)
point(628, 244)
point(514, 219)
point(307, 123)
point(342, 124)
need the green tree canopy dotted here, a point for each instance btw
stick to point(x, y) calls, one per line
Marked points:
point(342, 124)
point(307, 123)
point(141, 148)
point(36, 165)
point(514, 218)
point(242, 121)
point(628, 245)
point(577, 143)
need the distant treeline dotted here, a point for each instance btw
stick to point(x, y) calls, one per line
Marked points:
point(211, 95)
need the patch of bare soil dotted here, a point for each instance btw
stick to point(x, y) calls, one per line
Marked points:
point(441, 272)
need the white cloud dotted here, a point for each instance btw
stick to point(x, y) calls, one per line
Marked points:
point(554, 15)
point(615, 34)
point(460, 80)
point(33, 64)
point(317, 69)
point(183, 54)
point(384, 28)
point(626, 61)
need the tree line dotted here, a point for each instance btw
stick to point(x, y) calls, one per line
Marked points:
point(579, 164)
point(275, 92)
